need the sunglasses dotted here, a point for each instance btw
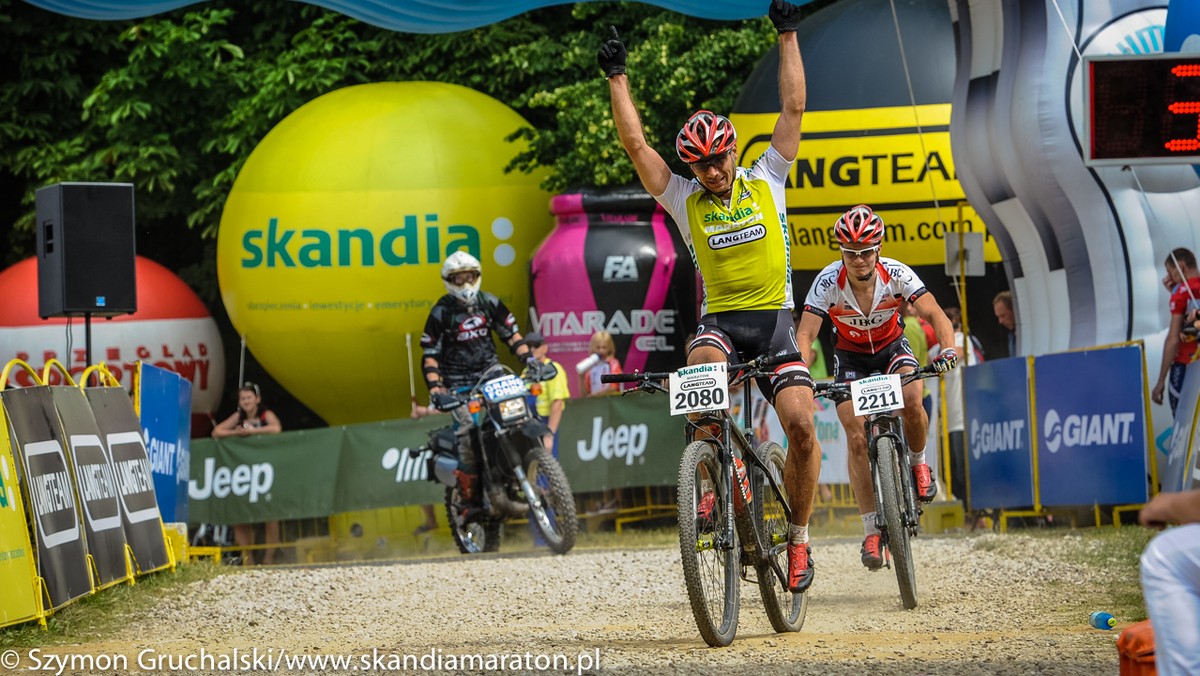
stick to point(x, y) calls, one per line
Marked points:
point(707, 163)
point(862, 254)
point(251, 387)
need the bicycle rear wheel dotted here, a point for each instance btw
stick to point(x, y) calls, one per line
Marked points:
point(709, 553)
point(892, 495)
point(785, 609)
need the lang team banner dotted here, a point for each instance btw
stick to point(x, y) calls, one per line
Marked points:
point(130, 466)
point(37, 437)
point(97, 488)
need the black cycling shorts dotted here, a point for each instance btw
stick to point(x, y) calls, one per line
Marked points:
point(895, 355)
point(745, 334)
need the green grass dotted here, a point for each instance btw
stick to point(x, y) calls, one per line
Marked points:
point(100, 614)
point(1111, 554)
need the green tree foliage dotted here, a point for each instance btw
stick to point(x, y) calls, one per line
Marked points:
point(175, 103)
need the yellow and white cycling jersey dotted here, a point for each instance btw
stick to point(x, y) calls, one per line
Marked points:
point(741, 248)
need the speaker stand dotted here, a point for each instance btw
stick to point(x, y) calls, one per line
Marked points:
point(87, 340)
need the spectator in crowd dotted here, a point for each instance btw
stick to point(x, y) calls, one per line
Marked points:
point(922, 340)
point(1002, 305)
point(1184, 282)
point(603, 361)
point(430, 522)
point(249, 420)
point(1170, 570)
point(955, 418)
point(555, 392)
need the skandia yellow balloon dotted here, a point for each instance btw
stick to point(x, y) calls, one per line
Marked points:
point(333, 236)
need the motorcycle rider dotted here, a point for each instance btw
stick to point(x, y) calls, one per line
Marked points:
point(458, 349)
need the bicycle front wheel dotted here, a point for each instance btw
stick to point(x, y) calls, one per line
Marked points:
point(707, 546)
point(891, 492)
point(785, 609)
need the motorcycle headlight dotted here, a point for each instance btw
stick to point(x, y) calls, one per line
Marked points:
point(512, 409)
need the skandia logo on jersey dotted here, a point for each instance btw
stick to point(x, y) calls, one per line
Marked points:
point(733, 216)
point(726, 240)
point(1095, 429)
point(412, 243)
point(997, 437)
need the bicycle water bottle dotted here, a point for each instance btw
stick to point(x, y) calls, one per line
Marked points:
point(1102, 620)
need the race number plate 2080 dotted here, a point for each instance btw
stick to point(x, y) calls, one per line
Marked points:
point(703, 387)
point(877, 394)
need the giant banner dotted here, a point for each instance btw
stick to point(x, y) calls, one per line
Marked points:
point(1182, 471)
point(131, 467)
point(167, 433)
point(37, 437)
point(1091, 427)
point(18, 571)
point(999, 455)
point(96, 483)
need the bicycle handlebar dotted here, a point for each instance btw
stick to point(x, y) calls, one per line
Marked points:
point(751, 367)
point(832, 390)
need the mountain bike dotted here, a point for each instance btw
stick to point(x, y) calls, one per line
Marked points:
point(732, 521)
point(897, 510)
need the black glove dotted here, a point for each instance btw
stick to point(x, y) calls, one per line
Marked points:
point(945, 361)
point(784, 15)
point(443, 402)
point(612, 55)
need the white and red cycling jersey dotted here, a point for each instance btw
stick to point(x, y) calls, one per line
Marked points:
point(856, 329)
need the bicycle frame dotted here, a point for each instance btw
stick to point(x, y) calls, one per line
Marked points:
point(878, 426)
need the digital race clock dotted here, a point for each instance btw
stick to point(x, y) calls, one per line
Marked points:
point(1142, 109)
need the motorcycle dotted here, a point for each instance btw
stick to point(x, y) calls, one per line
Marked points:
point(516, 475)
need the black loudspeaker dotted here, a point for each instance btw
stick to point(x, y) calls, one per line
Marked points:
point(85, 248)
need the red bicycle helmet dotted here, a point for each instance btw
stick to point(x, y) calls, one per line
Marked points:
point(705, 134)
point(859, 225)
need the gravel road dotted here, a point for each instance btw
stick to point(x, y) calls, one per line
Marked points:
point(981, 611)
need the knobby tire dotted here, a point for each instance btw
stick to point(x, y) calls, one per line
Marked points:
point(709, 556)
point(548, 479)
point(785, 609)
point(892, 495)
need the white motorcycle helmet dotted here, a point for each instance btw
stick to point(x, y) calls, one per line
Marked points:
point(461, 261)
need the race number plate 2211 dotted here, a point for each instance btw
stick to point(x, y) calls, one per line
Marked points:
point(877, 394)
point(702, 387)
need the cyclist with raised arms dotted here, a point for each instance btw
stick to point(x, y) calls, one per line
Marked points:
point(733, 221)
point(860, 295)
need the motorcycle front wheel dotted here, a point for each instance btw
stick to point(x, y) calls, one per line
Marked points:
point(473, 532)
point(553, 512)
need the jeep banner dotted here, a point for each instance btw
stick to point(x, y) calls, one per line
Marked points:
point(290, 475)
point(614, 442)
point(381, 466)
point(1091, 431)
point(97, 486)
point(18, 573)
point(37, 436)
point(131, 467)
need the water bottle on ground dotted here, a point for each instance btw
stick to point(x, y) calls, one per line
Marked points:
point(1102, 620)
